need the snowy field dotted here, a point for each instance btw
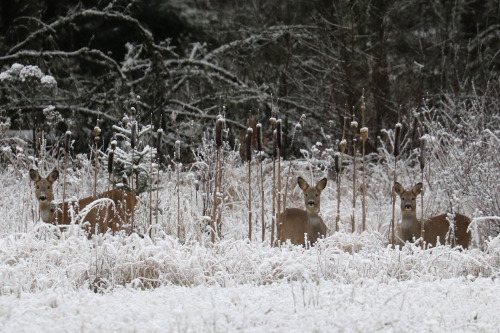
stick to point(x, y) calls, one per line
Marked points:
point(447, 305)
point(53, 281)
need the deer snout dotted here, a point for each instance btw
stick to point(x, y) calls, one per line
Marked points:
point(408, 206)
point(311, 203)
point(42, 198)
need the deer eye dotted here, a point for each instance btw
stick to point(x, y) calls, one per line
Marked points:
point(316, 194)
point(413, 199)
point(48, 187)
point(37, 187)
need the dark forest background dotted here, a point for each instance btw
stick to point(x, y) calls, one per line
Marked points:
point(259, 58)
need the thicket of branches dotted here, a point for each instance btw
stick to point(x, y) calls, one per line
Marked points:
point(187, 59)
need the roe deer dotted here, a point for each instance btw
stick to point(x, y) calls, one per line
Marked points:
point(295, 223)
point(434, 227)
point(102, 215)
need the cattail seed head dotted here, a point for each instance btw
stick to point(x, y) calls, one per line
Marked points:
point(158, 141)
point(218, 131)
point(113, 144)
point(396, 139)
point(133, 134)
point(278, 133)
point(354, 126)
point(272, 120)
point(67, 141)
point(258, 127)
point(248, 144)
point(275, 145)
point(111, 157)
point(421, 158)
point(177, 150)
point(364, 133)
point(337, 163)
point(343, 144)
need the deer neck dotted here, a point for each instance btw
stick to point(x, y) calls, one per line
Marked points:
point(314, 219)
point(46, 213)
point(410, 225)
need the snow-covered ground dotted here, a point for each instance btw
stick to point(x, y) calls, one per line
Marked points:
point(447, 305)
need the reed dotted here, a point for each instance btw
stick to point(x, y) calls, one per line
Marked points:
point(343, 145)
point(354, 127)
point(248, 157)
point(260, 149)
point(396, 154)
point(364, 136)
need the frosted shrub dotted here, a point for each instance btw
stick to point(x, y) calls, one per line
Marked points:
point(463, 140)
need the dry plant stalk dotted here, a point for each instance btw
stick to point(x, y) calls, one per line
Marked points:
point(278, 154)
point(151, 182)
point(422, 168)
point(275, 151)
point(260, 149)
point(248, 155)
point(298, 127)
point(364, 137)
point(67, 146)
point(178, 166)
point(97, 132)
point(354, 127)
point(343, 145)
point(159, 154)
point(133, 134)
point(218, 143)
point(396, 154)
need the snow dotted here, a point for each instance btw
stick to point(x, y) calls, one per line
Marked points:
point(452, 305)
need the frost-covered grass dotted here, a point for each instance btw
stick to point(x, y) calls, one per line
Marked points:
point(368, 305)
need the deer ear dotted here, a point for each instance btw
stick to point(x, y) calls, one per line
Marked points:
point(53, 175)
point(417, 189)
point(321, 184)
point(302, 184)
point(34, 175)
point(398, 188)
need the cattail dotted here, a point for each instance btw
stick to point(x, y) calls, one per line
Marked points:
point(67, 141)
point(111, 157)
point(177, 150)
point(159, 136)
point(396, 139)
point(354, 126)
point(218, 131)
point(272, 120)
point(258, 127)
point(421, 158)
point(133, 134)
point(275, 144)
point(337, 162)
point(364, 133)
point(248, 144)
point(278, 133)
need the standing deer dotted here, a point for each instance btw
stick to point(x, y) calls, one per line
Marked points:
point(112, 212)
point(296, 223)
point(434, 227)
